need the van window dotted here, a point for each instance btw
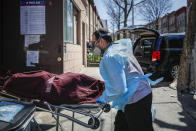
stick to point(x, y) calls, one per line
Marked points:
point(138, 47)
point(175, 43)
point(163, 44)
point(147, 45)
point(143, 47)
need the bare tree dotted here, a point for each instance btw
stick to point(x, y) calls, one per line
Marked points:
point(114, 12)
point(152, 10)
point(187, 72)
point(119, 10)
point(126, 6)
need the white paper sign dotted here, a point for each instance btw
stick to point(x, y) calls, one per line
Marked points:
point(32, 17)
point(31, 39)
point(32, 57)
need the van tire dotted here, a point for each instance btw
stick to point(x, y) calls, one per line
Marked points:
point(173, 71)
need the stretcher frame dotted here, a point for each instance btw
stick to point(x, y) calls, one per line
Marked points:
point(93, 111)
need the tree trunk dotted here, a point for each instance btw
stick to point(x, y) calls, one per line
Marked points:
point(187, 70)
point(125, 17)
point(119, 22)
point(125, 25)
point(125, 14)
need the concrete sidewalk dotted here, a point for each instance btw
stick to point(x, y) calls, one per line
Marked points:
point(170, 114)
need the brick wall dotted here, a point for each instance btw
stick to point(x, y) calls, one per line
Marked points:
point(181, 20)
point(172, 22)
point(159, 26)
point(164, 25)
point(72, 58)
point(75, 54)
point(175, 21)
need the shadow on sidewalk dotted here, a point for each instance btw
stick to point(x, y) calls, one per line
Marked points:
point(166, 125)
point(42, 127)
point(186, 119)
point(188, 103)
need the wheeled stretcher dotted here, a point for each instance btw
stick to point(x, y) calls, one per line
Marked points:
point(55, 94)
point(21, 121)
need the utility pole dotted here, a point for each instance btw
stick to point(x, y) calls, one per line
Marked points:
point(132, 12)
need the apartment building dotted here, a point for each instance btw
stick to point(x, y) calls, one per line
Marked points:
point(172, 22)
point(105, 24)
point(57, 43)
point(181, 18)
point(159, 25)
point(164, 24)
point(189, 3)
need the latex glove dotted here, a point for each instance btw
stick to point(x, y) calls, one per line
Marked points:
point(153, 82)
point(98, 101)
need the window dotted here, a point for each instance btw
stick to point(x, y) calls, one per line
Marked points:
point(68, 21)
point(163, 44)
point(87, 10)
point(138, 47)
point(147, 45)
point(76, 26)
point(176, 43)
point(87, 31)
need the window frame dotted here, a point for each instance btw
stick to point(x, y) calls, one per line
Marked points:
point(68, 33)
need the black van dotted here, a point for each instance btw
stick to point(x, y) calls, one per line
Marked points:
point(155, 52)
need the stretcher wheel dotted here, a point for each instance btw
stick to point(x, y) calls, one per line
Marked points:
point(106, 108)
point(97, 123)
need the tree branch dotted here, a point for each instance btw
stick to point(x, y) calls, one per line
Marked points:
point(118, 4)
point(131, 7)
point(151, 10)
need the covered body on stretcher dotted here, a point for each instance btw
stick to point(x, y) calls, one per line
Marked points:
point(67, 88)
point(69, 91)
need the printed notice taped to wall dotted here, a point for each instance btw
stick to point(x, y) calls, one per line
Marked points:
point(31, 39)
point(32, 17)
point(32, 58)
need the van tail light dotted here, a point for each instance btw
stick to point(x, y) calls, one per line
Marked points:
point(155, 56)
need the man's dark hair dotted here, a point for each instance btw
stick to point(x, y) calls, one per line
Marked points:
point(102, 33)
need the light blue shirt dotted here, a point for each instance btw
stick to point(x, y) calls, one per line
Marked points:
point(124, 79)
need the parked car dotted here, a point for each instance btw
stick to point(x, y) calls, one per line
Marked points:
point(157, 53)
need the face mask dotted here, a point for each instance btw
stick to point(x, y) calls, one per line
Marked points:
point(96, 51)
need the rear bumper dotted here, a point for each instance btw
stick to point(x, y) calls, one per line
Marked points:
point(156, 67)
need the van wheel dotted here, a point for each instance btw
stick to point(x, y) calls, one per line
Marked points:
point(173, 71)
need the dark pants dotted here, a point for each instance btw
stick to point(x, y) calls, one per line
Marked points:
point(137, 116)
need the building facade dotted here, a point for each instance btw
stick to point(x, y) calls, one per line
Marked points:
point(57, 43)
point(164, 24)
point(159, 26)
point(105, 24)
point(173, 22)
point(181, 19)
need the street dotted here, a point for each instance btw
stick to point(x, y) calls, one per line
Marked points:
point(170, 116)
